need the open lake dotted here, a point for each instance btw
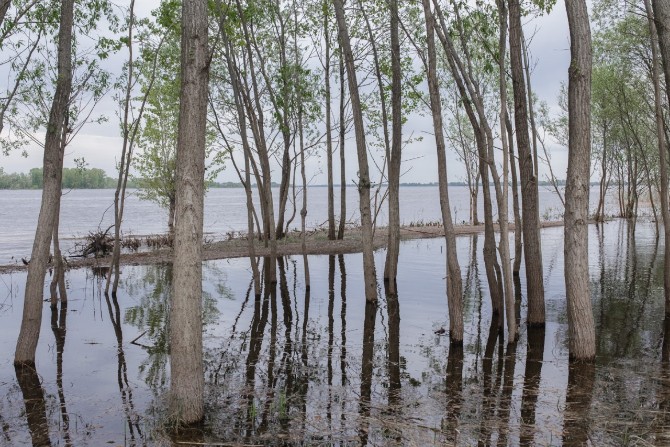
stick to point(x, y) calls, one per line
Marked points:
point(83, 211)
point(324, 368)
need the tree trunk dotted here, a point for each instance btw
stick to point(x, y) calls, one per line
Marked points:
point(329, 127)
point(580, 314)
point(301, 130)
point(343, 174)
point(51, 193)
point(393, 251)
point(518, 237)
point(186, 357)
point(531, 232)
point(503, 202)
point(361, 148)
point(454, 281)
point(57, 286)
point(662, 21)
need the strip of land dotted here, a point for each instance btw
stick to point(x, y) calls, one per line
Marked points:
point(317, 243)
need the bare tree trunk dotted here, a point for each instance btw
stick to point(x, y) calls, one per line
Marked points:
point(343, 175)
point(503, 202)
point(391, 268)
point(57, 286)
point(580, 314)
point(186, 357)
point(51, 193)
point(662, 20)
point(531, 232)
point(303, 210)
point(518, 237)
point(600, 211)
point(454, 281)
point(329, 126)
point(250, 227)
point(363, 170)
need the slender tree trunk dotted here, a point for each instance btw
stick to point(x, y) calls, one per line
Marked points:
point(580, 314)
point(503, 203)
point(57, 286)
point(391, 268)
point(186, 357)
point(343, 173)
point(531, 106)
point(600, 212)
point(531, 232)
point(662, 21)
point(303, 210)
point(123, 171)
point(361, 147)
point(250, 226)
point(518, 237)
point(329, 126)
point(454, 281)
point(51, 193)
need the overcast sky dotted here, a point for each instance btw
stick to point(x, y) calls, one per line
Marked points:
point(100, 145)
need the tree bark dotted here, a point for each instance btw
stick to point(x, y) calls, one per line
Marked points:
point(454, 281)
point(661, 9)
point(361, 148)
point(580, 314)
point(503, 202)
point(51, 193)
point(186, 357)
point(518, 237)
point(531, 232)
point(329, 127)
point(393, 251)
point(343, 173)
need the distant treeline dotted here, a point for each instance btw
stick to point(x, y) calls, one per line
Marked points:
point(73, 178)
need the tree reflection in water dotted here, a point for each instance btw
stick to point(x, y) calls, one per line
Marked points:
point(289, 367)
point(33, 398)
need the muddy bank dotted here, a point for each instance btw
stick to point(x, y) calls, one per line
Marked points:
point(317, 244)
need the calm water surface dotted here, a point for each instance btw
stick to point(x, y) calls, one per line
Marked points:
point(84, 211)
point(322, 368)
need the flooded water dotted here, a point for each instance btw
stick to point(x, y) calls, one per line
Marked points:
point(323, 368)
point(84, 211)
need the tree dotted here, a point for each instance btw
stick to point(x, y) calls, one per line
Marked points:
point(662, 20)
point(186, 360)
point(580, 315)
point(361, 149)
point(394, 163)
point(51, 194)
point(454, 281)
point(529, 194)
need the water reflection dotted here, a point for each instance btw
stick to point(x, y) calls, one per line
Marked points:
point(366, 369)
point(125, 390)
point(35, 406)
point(531, 383)
point(59, 329)
point(322, 367)
point(581, 378)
